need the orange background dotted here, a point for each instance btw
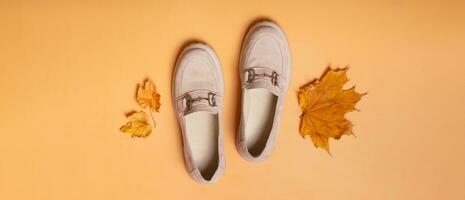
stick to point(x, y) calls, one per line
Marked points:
point(69, 69)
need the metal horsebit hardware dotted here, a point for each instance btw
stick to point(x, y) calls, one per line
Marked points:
point(211, 100)
point(251, 76)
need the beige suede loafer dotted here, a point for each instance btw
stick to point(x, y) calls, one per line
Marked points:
point(197, 93)
point(265, 70)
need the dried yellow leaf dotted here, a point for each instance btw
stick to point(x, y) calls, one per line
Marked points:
point(138, 125)
point(148, 96)
point(324, 104)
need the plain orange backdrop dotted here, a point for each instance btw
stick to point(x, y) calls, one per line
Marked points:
point(68, 72)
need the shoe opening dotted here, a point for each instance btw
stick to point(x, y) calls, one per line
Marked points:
point(202, 134)
point(259, 111)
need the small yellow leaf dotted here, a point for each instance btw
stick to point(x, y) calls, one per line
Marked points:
point(148, 96)
point(324, 104)
point(138, 125)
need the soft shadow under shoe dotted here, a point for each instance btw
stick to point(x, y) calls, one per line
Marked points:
point(197, 92)
point(265, 69)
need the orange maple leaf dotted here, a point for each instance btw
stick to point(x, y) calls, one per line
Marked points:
point(324, 104)
point(138, 125)
point(148, 96)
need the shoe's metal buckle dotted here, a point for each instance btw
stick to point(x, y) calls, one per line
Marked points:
point(251, 76)
point(274, 78)
point(189, 101)
point(211, 100)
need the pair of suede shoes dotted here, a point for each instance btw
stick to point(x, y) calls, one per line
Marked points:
point(198, 91)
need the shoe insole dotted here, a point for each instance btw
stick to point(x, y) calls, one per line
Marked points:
point(259, 108)
point(202, 135)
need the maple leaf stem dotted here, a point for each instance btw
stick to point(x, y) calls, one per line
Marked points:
point(153, 119)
